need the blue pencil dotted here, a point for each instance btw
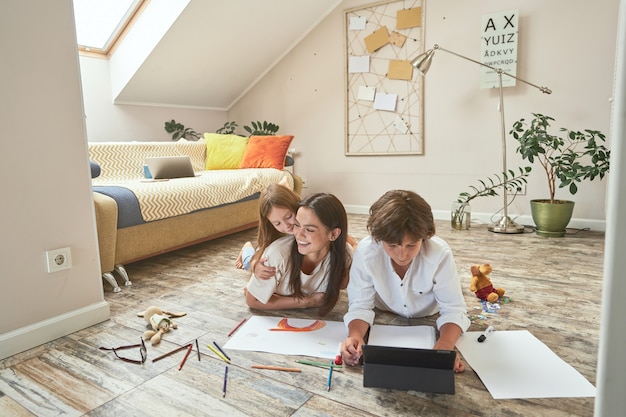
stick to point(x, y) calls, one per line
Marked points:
point(330, 374)
point(225, 379)
point(220, 349)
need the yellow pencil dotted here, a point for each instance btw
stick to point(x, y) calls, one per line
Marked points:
point(218, 353)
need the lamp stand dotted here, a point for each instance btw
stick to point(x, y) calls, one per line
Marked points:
point(422, 64)
point(505, 224)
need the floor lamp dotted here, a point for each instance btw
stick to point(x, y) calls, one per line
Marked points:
point(422, 64)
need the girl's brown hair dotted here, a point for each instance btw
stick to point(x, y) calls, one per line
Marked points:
point(275, 195)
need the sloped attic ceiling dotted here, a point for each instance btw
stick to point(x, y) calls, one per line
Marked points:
point(216, 50)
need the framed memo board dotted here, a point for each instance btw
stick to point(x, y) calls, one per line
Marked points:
point(384, 106)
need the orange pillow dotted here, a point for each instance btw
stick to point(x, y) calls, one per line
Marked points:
point(266, 152)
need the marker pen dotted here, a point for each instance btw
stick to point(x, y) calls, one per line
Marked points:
point(487, 332)
point(338, 357)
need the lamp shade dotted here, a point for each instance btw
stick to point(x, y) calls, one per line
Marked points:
point(423, 60)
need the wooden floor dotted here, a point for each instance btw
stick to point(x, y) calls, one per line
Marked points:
point(555, 290)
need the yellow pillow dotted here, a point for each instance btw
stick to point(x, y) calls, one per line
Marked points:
point(266, 152)
point(224, 151)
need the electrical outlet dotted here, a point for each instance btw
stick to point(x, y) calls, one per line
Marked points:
point(512, 189)
point(305, 183)
point(58, 259)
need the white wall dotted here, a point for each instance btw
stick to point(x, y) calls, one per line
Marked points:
point(108, 122)
point(45, 189)
point(562, 44)
point(611, 378)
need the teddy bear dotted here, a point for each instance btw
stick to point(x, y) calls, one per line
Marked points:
point(160, 321)
point(481, 284)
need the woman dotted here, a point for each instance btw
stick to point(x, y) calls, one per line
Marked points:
point(312, 266)
point(402, 267)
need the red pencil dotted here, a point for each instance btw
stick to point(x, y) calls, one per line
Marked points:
point(186, 356)
point(236, 327)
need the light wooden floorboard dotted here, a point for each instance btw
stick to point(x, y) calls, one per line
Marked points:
point(555, 289)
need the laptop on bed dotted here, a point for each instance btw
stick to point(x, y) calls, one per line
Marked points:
point(424, 370)
point(166, 167)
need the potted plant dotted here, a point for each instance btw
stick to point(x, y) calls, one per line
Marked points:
point(461, 214)
point(179, 131)
point(570, 158)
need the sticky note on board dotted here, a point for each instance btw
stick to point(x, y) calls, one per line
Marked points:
point(400, 70)
point(357, 22)
point(397, 39)
point(366, 93)
point(377, 39)
point(399, 125)
point(386, 102)
point(359, 64)
point(409, 18)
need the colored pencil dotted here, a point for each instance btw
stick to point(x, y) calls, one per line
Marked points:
point(225, 379)
point(277, 368)
point(237, 326)
point(165, 355)
point(221, 350)
point(218, 353)
point(318, 364)
point(190, 346)
point(330, 375)
point(198, 349)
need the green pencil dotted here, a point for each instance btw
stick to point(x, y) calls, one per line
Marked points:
point(318, 364)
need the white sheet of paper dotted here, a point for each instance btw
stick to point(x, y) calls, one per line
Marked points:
point(359, 64)
point(366, 93)
point(417, 337)
point(384, 101)
point(255, 335)
point(357, 22)
point(399, 124)
point(515, 364)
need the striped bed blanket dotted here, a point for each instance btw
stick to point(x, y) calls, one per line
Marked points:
point(160, 199)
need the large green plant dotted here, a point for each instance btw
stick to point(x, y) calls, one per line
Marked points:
point(571, 158)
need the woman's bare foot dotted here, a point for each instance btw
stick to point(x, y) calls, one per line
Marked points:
point(239, 261)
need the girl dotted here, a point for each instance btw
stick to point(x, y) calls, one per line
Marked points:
point(277, 216)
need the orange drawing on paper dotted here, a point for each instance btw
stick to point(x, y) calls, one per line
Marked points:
point(283, 325)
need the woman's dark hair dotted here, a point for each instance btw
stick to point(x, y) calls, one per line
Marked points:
point(332, 214)
point(398, 213)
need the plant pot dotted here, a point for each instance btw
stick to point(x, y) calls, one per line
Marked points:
point(460, 216)
point(551, 219)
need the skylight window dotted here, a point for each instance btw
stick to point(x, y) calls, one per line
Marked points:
point(99, 23)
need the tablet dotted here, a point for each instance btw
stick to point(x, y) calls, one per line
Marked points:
point(424, 370)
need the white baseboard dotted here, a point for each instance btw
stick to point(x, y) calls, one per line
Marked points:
point(486, 218)
point(33, 335)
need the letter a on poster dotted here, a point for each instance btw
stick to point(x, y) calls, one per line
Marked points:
point(499, 47)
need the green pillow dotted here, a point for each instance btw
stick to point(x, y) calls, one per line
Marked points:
point(224, 151)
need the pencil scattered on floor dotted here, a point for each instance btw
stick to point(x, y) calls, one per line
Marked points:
point(237, 326)
point(218, 353)
point(330, 375)
point(276, 368)
point(225, 379)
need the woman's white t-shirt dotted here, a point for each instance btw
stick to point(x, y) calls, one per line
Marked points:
point(278, 254)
